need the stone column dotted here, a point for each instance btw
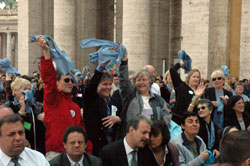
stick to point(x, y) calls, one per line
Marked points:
point(8, 46)
point(106, 19)
point(86, 27)
point(65, 26)
point(175, 37)
point(30, 22)
point(1, 48)
point(159, 36)
point(48, 17)
point(4, 45)
point(205, 35)
point(218, 34)
point(118, 19)
point(13, 48)
point(195, 32)
point(136, 32)
point(245, 40)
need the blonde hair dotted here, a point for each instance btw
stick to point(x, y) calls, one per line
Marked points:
point(19, 83)
point(165, 78)
point(190, 73)
point(218, 73)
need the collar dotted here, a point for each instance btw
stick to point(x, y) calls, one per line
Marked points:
point(73, 162)
point(186, 141)
point(128, 148)
point(151, 94)
point(5, 159)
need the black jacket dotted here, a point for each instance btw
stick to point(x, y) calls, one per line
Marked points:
point(94, 110)
point(231, 120)
point(204, 134)
point(184, 94)
point(210, 94)
point(62, 160)
point(114, 154)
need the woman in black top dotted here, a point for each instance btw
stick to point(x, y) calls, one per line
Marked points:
point(236, 114)
point(208, 130)
point(187, 93)
point(101, 113)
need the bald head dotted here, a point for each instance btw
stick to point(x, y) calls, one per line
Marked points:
point(150, 69)
point(5, 111)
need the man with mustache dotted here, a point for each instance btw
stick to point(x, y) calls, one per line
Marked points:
point(75, 141)
point(12, 143)
point(127, 152)
point(192, 149)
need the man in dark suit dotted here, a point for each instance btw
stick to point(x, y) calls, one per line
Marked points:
point(75, 141)
point(127, 152)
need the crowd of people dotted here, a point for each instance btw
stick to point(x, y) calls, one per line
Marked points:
point(122, 117)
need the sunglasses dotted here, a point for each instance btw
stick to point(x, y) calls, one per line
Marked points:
point(219, 78)
point(66, 80)
point(201, 108)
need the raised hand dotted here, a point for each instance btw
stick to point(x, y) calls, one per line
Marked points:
point(41, 41)
point(200, 90)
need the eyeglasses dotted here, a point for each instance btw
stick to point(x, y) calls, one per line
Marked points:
point(66, 80)
point(201, 108)
point(219, 78)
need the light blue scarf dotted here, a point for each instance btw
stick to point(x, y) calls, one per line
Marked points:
point(29, 101)
point(78, 72)
point(211, 135)
point(63, 63)
point(218, 114)
point(225, 70)
point(104, 54)
point(5, 63)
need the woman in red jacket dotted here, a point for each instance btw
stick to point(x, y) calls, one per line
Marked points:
point(60, 111)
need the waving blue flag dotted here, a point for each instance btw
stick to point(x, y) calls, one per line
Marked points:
point(63, 63)
point(186, 60)
point(225, 70)
point(104, 54)
point(5, 63)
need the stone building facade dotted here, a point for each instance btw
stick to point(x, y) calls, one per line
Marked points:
point(212, 32)
point(8, 35)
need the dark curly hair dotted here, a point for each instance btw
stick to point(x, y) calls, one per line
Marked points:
point(158, 127)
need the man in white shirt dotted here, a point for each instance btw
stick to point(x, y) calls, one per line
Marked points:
point(127, 151)
point(12, 144)
point(155, 88)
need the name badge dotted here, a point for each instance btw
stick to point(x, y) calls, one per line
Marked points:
point(190, 92)
point(114, 110)
point(148, 112)
point(73, 113)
